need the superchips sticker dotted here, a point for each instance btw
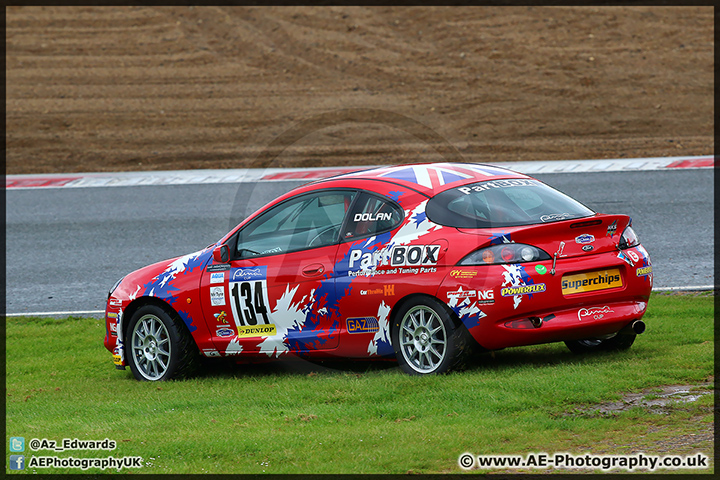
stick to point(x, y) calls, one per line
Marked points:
point(591, 281)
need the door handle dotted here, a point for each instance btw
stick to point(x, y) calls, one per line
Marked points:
point(313, 270)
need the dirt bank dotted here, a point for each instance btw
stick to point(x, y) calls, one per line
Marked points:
point(155, 88)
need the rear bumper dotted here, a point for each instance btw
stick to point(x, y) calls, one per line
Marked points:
point(525, 304)
point(554, 325)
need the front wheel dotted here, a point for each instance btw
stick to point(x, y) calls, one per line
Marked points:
point(617, 342)
point(159, 346)
point(426, 340)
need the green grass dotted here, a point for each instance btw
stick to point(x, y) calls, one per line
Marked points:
point(296, 417)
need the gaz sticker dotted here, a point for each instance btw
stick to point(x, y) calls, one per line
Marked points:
point(362, 325)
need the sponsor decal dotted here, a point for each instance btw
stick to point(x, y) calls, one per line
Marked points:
point(372, 217)
point(463, 273)
point(411, 255)
point(612, 228)
point(112, 315)
point(113, 329)
point(486, 297)
point(219, 267)
point(595, 313)
point(587, 248)
point(522, 290)
point(460, 293)
point(376, 291)
point(117, 359)
point(115, 302)
point(217, 296)
point(497, 184)
point(554, 217)
point(634, 256)
point(224, 332)
point(387, 290)
point(221, 317)
point(257, 331)
point(248, 273)
point(643, 271)
point(393, 271)
point(210, 352)
point(591, 281)
point(399, 256)
point(584, 239)
point(362, 325)
point(541, 269)
point(217, 277)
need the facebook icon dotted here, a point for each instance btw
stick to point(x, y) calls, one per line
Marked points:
point(17, 462)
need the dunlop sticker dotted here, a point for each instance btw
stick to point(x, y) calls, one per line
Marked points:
point(257, 331)
point(591, 281)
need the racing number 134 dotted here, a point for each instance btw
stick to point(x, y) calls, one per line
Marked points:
point(249, 302)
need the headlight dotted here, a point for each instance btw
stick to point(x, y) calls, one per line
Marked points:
point(628, 239)
point(115, 286)
point(505, 253)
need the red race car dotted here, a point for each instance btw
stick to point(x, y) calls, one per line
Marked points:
point(425, 263)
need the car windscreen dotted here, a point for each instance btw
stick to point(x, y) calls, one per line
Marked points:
point(503, 203)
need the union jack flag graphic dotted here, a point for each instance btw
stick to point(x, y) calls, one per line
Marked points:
point(433, 176)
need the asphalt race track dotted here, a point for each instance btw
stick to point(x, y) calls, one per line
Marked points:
point(67, 247)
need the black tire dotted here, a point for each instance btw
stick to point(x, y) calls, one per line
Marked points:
point(427, 340)
point(159, 346)
point(615, 343)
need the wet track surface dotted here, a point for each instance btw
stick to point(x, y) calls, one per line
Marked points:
point(67, 247)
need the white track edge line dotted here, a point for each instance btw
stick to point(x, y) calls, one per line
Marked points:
point(245, 175)
point(693, 288)
point(40, 314)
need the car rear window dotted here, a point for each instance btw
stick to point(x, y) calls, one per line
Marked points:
point(503, 203)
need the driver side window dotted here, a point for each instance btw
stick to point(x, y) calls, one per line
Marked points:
point(308, 221)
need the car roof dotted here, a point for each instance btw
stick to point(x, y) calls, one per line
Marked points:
point(431, 178)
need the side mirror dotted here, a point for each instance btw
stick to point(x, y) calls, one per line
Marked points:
point(221, 254)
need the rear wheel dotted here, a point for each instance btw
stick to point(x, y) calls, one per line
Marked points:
point(426, 340)
point(616, 342)
point(159, 346)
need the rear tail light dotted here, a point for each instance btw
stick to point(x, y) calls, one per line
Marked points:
point(505, 253)
point(628, 239)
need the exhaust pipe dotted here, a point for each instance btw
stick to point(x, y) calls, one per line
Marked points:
point(637, 327)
